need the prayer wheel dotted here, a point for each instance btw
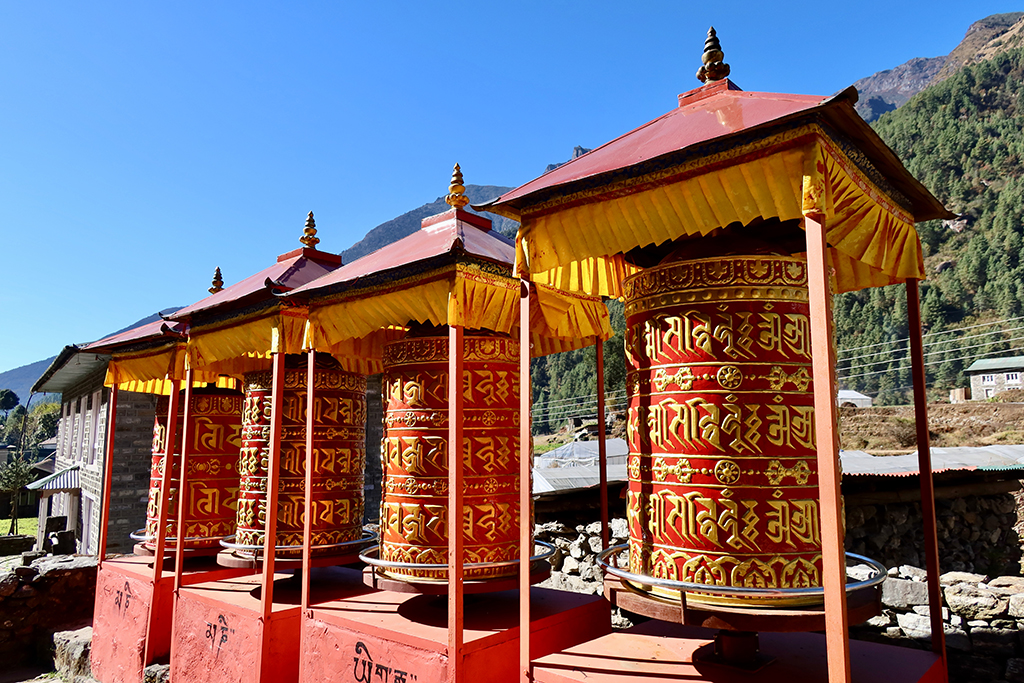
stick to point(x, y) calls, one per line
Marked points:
point(414, 508)
point(215, 427)
point(723, 486)
point(338, 460)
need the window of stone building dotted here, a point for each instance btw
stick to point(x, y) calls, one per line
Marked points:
point(1013, 378)
point(988, 379)
point(989, 393)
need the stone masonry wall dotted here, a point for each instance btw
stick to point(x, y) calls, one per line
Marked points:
point(976, 533)
point(50, 595)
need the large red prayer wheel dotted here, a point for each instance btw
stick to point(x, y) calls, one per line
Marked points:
point(339, 458)
point(215, 418)
point(723, 486)
point(414, 508)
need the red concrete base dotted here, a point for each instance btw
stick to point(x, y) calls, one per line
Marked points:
point(658, 651)
point(124, 593)
point(221, 638)
point(400, 638)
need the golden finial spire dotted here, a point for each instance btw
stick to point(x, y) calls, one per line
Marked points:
point(309, 237)
point(456, 191)
point(218, 282)
point(713, 69)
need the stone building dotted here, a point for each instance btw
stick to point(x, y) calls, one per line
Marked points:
point(989, 376)
point(78, 375)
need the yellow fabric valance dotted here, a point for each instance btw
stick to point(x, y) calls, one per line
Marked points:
point(151, 371)
point(239, 345)
point(354, 329)
point(578, 245)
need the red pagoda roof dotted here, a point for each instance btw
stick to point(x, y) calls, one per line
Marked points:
point(716, 112)
point(444, 233)
point(292, 270)
point(154, 330)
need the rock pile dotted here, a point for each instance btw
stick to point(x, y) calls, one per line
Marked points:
point(574, 563)
point(983, 621)
point(44, 597)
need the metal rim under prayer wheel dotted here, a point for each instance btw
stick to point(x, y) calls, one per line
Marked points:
point(339, 459)
point(215, 434)
point(723, 486)
point(414, 507)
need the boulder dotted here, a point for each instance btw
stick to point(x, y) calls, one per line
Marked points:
point(949, 578)
point(71, 653)
point(973, 603)
point(901, 593)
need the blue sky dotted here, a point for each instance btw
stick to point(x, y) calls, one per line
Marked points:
point(144, 144)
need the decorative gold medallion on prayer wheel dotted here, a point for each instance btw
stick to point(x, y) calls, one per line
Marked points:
point(215, 436)
point(414, 509)
point(723, 486)
point(338, 461)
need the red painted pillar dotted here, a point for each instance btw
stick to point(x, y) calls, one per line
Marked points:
point(826, 422)
point(924, 461)
point(108, 472)
point(170, 437)
point(307, 532)
point(265, 663)
point(183, 498)
point(602, 447)
point(455, 512)
point(525, 482)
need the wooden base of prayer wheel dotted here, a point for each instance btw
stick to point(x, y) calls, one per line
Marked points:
point(414, 509)
point(215, 425)
point(339, 459)
point(722, 466)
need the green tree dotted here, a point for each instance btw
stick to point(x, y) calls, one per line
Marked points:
point(15, 475)
point(8, 399)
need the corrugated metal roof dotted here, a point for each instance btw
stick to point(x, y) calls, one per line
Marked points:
point(65, 480)
point(981, 458)
point(63, 374)
point(986, 364)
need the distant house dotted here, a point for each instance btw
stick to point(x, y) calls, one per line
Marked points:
point(848, 398)
point(990, 376)
point(75, 489)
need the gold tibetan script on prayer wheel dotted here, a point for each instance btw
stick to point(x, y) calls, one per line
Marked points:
point(723, 485)
point(215, 432)
point(339, 457)
point(414, 509)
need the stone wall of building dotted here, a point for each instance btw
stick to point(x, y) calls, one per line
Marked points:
point(373, 478)
point(133, 460)
point(50, 595)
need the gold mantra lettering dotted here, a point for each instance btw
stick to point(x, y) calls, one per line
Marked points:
point(793, 522)
point(326, 512)
point(424, 389)
point(210, 435)
point(697, 422)
point(204, 500)
point(738, 334)
point(414, 522)
point(791, 426)
point(416, 454)
point(256, 410)
point(699, 519)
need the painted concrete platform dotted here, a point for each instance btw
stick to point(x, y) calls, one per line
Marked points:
point(124, 593)
point(658, 651)
point(221, 637)
point(400, 638)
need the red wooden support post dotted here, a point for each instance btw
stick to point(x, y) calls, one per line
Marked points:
point(525, 482)
point(170, 436)
point(826, 420)
point(307, 526)
point(602, 447)
point(265, 662)
point(186, 452)
point(108, 473)
point(179, 558)
point(924, 460)
point(455, 511)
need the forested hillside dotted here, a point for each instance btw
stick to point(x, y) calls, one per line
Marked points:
point(964, 139)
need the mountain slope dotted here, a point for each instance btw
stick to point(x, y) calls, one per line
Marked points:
point(890, 89)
